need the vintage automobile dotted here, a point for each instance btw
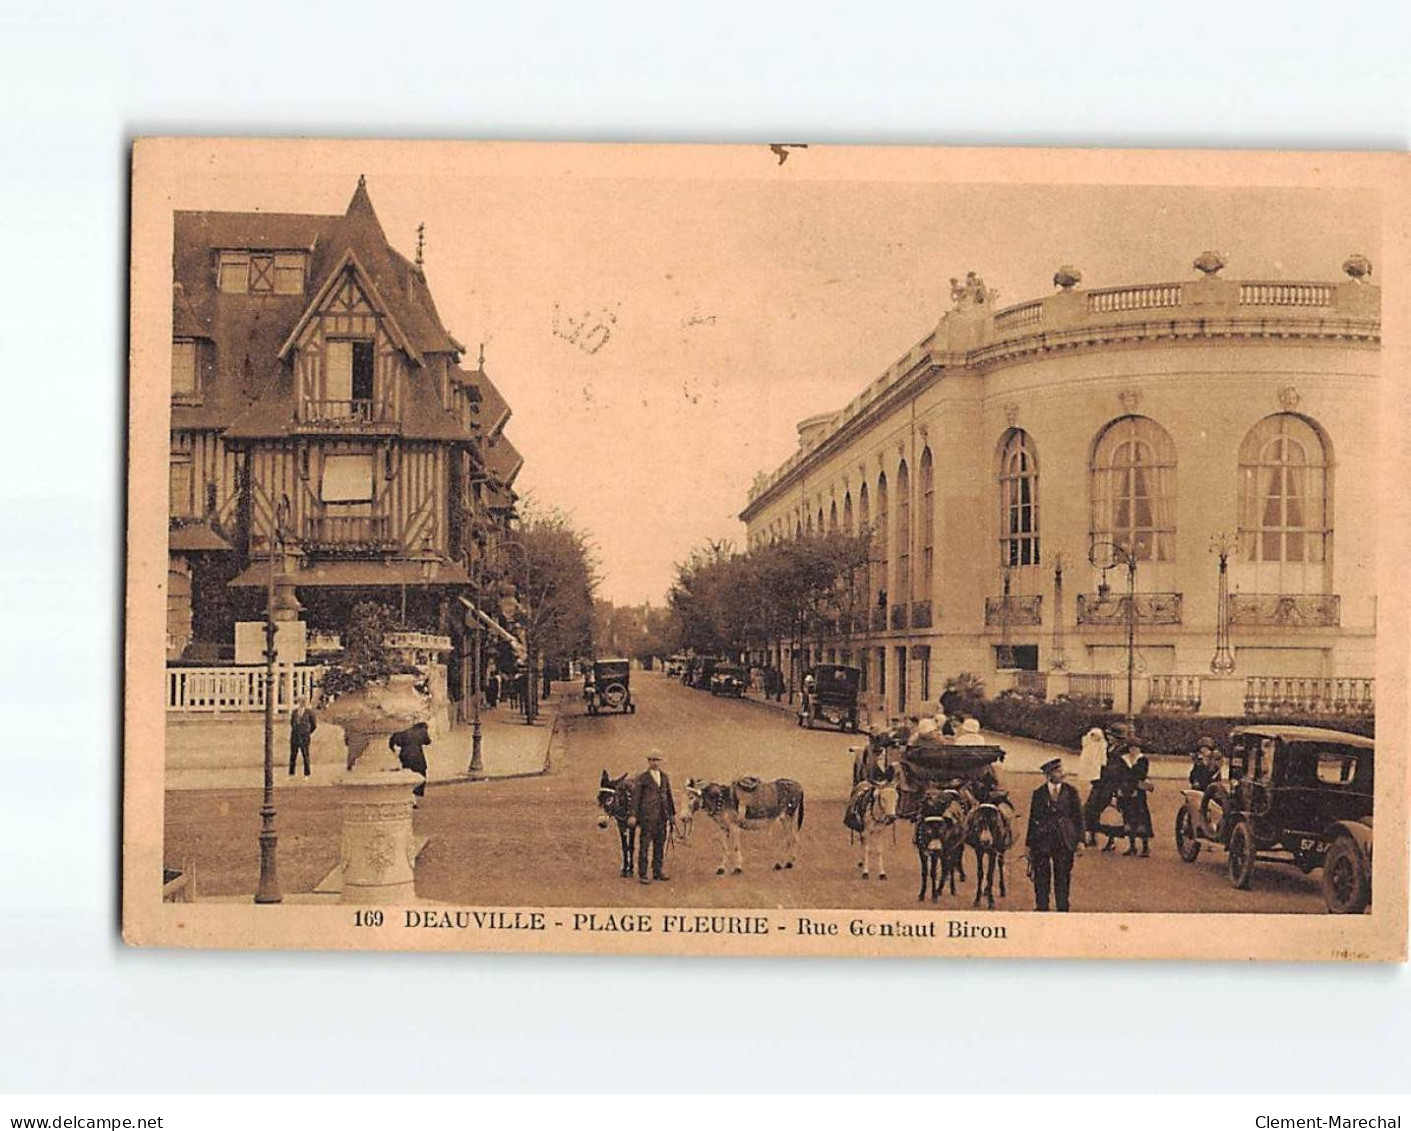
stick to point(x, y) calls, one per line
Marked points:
point(609, 687)
point(830, 694)
point(700, 676)
point(1296, 795)
point(728, 679)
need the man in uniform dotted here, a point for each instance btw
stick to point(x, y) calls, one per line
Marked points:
point(1055, 833)
point(653, 811)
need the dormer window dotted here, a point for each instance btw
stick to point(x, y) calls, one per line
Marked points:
point(183, 369)
point(261, 272)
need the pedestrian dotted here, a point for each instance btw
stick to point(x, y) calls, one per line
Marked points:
point(492, 690)
point(1091, 766)
point(969, 733)
point(302, 724)
point(1133, 786)
point(653, 811)
point(1206, 764)
point(409, 745)
point(1054, 836)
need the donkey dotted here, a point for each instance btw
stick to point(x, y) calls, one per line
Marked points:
point(940, 839)
point(990, 832)
point(747, 804)
point(877, 807)
point(615, 801)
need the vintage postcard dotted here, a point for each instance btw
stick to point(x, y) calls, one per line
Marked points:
point(767, 550)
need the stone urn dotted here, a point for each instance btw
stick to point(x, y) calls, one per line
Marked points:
point(371, 715)
point(378, 844)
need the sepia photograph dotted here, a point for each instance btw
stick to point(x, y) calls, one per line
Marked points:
point(771, 549)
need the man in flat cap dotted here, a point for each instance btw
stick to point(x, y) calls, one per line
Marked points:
point(653, 811)
point(1055, 833)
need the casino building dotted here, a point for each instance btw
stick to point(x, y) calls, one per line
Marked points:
point(1208, 446)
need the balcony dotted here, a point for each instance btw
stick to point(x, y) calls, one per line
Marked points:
point(359, 417)
point(349, 534)
point(1174, 693)
point(1285, 610)
point(899, 617)
point(879, 620)
point(1025, 610)
point(1109, 611)
point(921, 614)
point(1277, 695)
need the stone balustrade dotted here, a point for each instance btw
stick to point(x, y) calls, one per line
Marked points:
point(1174, 692)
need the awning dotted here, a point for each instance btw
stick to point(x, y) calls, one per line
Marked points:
point(359, 575)
point(193, 538)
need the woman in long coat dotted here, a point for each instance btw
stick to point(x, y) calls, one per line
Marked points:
point(1133, 785)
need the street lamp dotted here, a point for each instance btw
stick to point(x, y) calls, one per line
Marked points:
point(1121, 555)
point(1223, 662)
point(279, 598)
point(1058, 660)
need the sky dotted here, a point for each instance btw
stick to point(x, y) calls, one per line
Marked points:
point(659, 335)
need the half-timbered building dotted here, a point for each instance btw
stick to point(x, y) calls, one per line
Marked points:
point(315, 386)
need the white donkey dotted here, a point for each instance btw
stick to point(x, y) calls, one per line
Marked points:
point(747, 804)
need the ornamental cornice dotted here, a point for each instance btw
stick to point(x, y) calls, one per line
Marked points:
point(931, 364)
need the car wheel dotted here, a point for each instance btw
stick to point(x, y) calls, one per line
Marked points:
point(1241, 855)
point(1187, 844)
point(1347, 887)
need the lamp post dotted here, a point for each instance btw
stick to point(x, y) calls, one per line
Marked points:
point(1122, 555)
point(477, 767)
point(1223, 662)
point(1058, 660)
point(268, 890)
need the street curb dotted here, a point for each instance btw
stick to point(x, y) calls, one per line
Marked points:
point(555, 733)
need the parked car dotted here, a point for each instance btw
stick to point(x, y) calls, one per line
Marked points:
point(610, 687)
point(728, 679)
point(830, 694)
point(1296, 795)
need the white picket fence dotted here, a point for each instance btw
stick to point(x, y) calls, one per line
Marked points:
point(237, 689)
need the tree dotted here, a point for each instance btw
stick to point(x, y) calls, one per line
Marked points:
point(801, 588)
point(554, 576)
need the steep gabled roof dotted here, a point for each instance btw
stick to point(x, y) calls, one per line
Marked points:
point(400, 284)
point(493, 411)
point(502, 460)
point(369, 287)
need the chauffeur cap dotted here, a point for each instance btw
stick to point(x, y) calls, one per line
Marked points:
point(1051, 765)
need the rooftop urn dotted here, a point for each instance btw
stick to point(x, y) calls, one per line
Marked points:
point(1358, 268)
point(1209, 263)
point(1066, 278)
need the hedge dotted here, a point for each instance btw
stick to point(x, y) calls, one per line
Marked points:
point(1064, 722)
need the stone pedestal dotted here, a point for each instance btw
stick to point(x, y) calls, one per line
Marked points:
point(1057, 685)
point(379, 851)
point(1222, 695)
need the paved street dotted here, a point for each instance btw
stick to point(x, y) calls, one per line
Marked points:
point(536, 841)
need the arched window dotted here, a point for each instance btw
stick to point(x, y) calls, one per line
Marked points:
point(1284, 518)
point(820, 520)
point(881, 542)
point(903, 533)
point(1018, 500)
point(1134, 488)
point(833, 515)
point(864, 508)
point(847, 512)
point(798, 529)
point(928, 520)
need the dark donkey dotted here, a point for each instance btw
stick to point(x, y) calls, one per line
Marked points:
point(990, 834)
point(615, 800)
point(940, 838)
